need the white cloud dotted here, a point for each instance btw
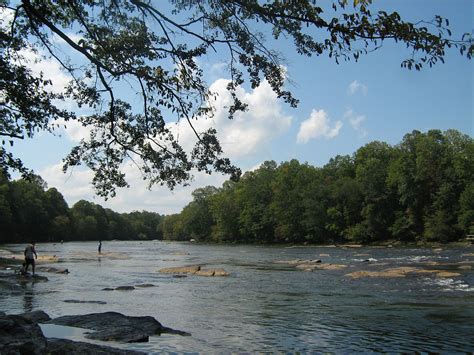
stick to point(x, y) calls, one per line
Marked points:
point(356, 121)
point(250, 131)
point(317, 125)
point(356, 87)
point(50, 68)
point(6, 18)
point(73, 129)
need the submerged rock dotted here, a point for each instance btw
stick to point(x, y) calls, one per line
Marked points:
point(401, 272)
point(53, 270)
point(311, 265)
point(124, 288)
point(145, 285)
point(193, 270)
point(79, 301)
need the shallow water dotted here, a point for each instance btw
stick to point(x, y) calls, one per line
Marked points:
point(263, 306)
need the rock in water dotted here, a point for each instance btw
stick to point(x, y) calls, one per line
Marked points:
point(116, 326)
point(181, 270)
point(20, 336)
point(36, 316)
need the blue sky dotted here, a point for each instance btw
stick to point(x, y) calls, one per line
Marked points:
point(342, 107)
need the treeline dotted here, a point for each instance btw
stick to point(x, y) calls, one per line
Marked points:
point(30, 211)
point(419, 190)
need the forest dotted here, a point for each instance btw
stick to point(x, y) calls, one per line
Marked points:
point(29, 211)
point(421, 189)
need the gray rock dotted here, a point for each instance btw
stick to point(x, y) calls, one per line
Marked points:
point(52, 270)
point(124, 288)
point(19, 335)
point(122, 334)
point(116, 326)
point(36, 316)
point(79, 301)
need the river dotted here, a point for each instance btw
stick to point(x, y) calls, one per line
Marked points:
point(264, 306)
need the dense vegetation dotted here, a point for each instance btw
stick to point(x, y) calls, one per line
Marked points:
point(419, 190)
point(30, 211)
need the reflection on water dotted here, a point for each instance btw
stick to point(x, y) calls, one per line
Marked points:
point(28, 297)
point(263, 305)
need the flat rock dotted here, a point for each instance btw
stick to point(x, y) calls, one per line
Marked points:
point(313, 267)
point(145, 285)
point(205, 273)
point(220, 272)
point(116, 326)
point(192, 269)
point(401, 272)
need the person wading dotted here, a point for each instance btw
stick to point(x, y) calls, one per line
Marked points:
point(30, 251)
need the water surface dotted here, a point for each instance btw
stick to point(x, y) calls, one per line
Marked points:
point(263, 305)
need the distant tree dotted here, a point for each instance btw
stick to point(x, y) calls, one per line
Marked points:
point(371, 167)
point(156, 49)
point(466, 215)
point(254, 194)
point(225, 209)
point(6, 214)
point(28, 204)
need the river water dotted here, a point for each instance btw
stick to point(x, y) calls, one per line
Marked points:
point(263, 306)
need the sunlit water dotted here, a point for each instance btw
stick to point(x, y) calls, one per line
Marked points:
point(263, 306)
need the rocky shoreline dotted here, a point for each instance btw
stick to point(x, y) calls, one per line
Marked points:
point(21, 333)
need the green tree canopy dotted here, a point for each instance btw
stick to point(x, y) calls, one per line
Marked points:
point(155, 49)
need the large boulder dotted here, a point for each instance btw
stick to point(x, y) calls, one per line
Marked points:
point(116, 326)
point(19, 335)
point(36, 316)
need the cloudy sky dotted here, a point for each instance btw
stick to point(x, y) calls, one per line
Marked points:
point(342, 107)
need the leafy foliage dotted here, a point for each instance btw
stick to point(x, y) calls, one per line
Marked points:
point(418, 190)
point(30, 211)
point(107, 45)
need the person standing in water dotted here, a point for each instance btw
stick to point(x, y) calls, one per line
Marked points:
point(30, 251)
point(99, 247)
